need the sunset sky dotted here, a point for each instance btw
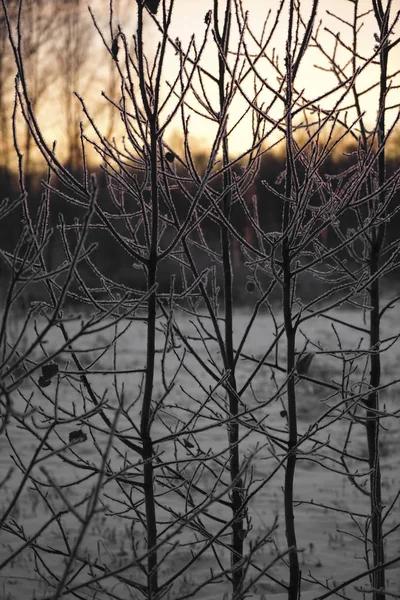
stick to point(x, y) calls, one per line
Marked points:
point(188, 19)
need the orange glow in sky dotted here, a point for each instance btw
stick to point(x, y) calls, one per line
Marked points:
point(315, 76)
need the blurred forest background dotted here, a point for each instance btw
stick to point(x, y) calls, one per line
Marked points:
point(63, 56)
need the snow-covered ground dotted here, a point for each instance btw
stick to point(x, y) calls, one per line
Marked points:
point(330, 512)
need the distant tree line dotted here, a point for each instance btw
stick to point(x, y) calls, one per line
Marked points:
point(106, 258)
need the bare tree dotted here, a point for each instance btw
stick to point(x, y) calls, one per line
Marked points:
point(6, 87)
point(74, 51)
point(37, 20)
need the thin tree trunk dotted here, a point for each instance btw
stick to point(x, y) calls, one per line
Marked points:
point(237, 489)
point(373, 422)
point(148, 467)
point(295, 575)
point(378, 577)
